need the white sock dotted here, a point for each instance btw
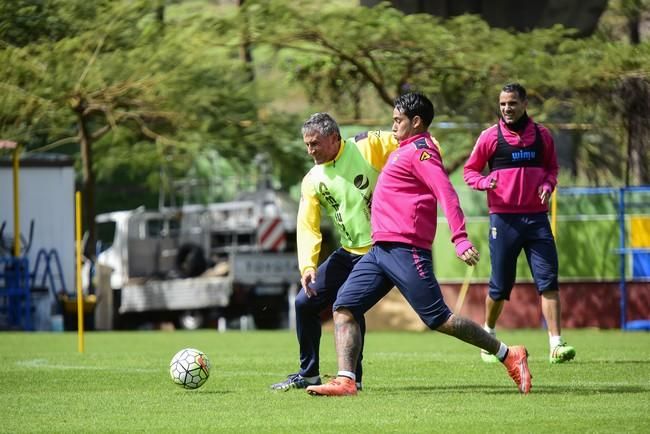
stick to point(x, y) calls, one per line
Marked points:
point(347, 374)
point(492, 331)
point(501, 354)
point(554, 341)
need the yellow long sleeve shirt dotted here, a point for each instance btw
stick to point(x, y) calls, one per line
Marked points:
point(343, 188)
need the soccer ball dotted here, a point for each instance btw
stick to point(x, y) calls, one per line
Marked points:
point(189, 368)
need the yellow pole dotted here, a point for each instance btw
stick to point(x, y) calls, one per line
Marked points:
point(16, 203)
point(80, 298)
point(554, 213)
point(463, 290)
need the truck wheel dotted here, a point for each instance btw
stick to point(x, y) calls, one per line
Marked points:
point(270, 312)
point(190, 260)
point(191, 320)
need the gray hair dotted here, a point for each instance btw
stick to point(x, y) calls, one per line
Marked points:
point(322, 123)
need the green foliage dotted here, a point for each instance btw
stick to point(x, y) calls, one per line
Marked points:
point(415, 382)
point(618, 20)
point(23, 22)
point(155, 96)
point(357, 60)
point(587, 237)
point(163, 91)
point(586, 251)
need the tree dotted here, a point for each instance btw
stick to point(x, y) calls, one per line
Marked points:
point(631, 95)
point(357, 59)
point(129, 94)
point(623, 21)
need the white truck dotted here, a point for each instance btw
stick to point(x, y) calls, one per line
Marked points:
point(199, 264)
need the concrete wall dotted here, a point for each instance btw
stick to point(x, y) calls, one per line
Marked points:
point(46, 195)
point(584, 304)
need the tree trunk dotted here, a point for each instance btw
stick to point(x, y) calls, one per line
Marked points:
point(160, 13)
point(635, 95)
point(245, 53)
point(632, 11)
point(87, 186)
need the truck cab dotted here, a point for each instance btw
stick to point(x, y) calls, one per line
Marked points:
point(196, 264)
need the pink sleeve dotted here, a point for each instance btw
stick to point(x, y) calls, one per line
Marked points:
point(550, 161)
point(477, 161)
point(463, 246)
point(433, 174)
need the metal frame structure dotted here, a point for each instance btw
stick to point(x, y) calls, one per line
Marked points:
point(622, 208)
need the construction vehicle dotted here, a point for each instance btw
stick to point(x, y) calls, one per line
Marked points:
point(196, 265)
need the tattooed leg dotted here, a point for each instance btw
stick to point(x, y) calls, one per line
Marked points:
point(348, 339)
point(468, 331)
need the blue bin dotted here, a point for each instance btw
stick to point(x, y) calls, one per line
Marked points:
point(640, 264)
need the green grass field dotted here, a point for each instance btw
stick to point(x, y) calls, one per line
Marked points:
point(413, 382)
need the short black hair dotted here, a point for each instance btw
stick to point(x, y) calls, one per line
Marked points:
point(322, 123)
point(415, 104)
point(515, 88)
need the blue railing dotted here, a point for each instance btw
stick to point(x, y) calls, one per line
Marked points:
point(622, 209)
point(47, 277)
point(15, 294)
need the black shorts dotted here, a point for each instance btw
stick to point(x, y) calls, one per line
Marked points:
point(509, 234)
point(395, 264)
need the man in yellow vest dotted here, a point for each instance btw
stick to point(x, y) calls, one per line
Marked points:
point(341, 183)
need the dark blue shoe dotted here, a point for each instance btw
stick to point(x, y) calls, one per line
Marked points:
point(294, 381)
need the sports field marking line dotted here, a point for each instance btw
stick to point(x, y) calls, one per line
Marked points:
point(45, 364)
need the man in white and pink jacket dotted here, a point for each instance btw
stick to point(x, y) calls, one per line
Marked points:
point(520, 155)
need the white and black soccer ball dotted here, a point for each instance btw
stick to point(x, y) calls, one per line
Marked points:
point(189, 368)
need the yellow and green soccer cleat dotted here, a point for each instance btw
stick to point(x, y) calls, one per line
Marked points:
point(562, 353)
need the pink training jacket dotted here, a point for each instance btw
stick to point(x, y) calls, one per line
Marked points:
point(404, 206)
point(517, 187)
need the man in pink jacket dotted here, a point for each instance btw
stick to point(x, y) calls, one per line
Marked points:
point(409, 189)
point(522, 174)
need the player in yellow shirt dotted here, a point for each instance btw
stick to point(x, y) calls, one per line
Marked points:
point(341, 183)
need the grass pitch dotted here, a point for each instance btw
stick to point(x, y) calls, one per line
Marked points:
point(413, 382)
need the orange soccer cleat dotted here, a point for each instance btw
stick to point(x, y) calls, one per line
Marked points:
point(517, 364)
point(340, 386)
